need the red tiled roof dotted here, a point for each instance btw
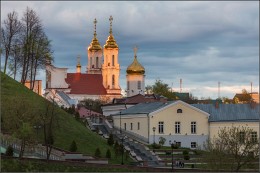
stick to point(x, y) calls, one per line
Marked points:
point(90, 84)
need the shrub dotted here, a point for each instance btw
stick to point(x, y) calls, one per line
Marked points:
point(108, 154)
point(73, 146)
point(156, 146)
point(185, 152)
point(186, 157)
point(98, 152)
point(162, 140)
point(110, 140)
point(9, 151)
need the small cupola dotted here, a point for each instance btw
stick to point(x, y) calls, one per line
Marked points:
point(94, 45)
point(135, 67)
point(78, 67)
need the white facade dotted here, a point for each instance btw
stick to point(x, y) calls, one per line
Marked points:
point(55, 77)
point(135, 84)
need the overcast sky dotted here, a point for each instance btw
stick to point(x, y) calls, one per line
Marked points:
point(202, 43)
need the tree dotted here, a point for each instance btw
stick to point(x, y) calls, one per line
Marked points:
point(245, 97)
point(117, 149)
point(110, 140)
point(98, 152)
point(10, 32)
point(108, 154)
point(73, 146)
point(233, 148)
point(9, 151)
point(162, 89)
point(162, 141)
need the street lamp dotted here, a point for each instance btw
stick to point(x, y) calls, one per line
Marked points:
point(120, 123)
point(172, 144)
point(122, 149)
point(154, 135)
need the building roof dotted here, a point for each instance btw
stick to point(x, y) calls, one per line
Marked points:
point(90, 84)
point(145, 108)
point(139, 98)
point(230, 112)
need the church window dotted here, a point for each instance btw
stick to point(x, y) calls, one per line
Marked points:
point(138, 126)
point(131, 126)
point(125, 125)
point(139, 85)
point(113, 79)
point(127, 85)
point(96, 62)
point(91, 62)
point(113, 60)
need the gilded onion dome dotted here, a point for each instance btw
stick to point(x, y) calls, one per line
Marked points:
point(111, 42)
point(135, 67)
point(94, 45)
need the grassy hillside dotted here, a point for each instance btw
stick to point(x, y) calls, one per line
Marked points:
point(69, 129)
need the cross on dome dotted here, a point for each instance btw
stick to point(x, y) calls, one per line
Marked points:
point(110, 19)
point(95, 27)
point(135, 50)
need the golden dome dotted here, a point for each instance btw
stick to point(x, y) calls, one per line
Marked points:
point(135, 68)
point(94, 45)
point(111, 42)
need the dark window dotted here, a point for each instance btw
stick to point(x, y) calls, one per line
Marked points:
point(254, 136)
point(125, 125)
point(179, 110)
point(138, 126)
point(178, 144)
point(160, 127)
point(131, 126)
point(193, 127)
point(139, 85)
point(113, 79)
point(127, 85)
point(178, 127)
point(193, 144)
point(97, 62)
point(113, 60)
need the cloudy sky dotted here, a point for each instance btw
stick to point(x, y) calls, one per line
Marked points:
point(202, 43)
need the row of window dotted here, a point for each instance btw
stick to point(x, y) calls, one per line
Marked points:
point(138, 85)
point(131, 126)
point(97, 61)
point(177, 127)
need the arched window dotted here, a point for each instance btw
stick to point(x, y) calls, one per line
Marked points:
point(179, 110)
point(139, 85)
point(113, 60)
point(91, 62)
point(113, 80)
point(96, 62)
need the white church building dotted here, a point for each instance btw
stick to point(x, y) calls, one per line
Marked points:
point(101, 79)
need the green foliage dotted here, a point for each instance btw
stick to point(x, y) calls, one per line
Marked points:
point(73, 146)
point(117, 149)
point(185, 152)
point(77, 116)
point(162, 89)
point(108, 154)
point(162, 141)
point(94, 105)
point(98, 152)
point(9, 151)
point(156, 146)
point(110, 140)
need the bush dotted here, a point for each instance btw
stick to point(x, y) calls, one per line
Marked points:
point(162, 140)
point(185, 152)
point(98, 152)
point(110, 140)
point(73, 146)
point(9, 151)
point(108, 154)
point(186, 157)
point(156, 146)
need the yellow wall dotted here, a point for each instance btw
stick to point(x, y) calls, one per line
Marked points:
point(215, 126)
point(169, 116)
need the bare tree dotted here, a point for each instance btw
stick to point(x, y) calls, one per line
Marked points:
point(233, 148)
point(10, 30)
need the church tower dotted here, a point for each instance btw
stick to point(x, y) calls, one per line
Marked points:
point(78, 67)
point(135, 77)
point(94, 55)
point(111, 67)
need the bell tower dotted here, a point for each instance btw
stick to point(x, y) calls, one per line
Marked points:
point(135, 77)
point(94, 55)
point(111, 67)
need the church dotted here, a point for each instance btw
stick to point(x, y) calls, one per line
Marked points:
point(101, 78)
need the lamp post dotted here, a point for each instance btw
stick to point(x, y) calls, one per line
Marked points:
point(154, 135)
point(172, 145)
point(120, 123)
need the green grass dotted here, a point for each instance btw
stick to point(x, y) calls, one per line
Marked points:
point(69, 129)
